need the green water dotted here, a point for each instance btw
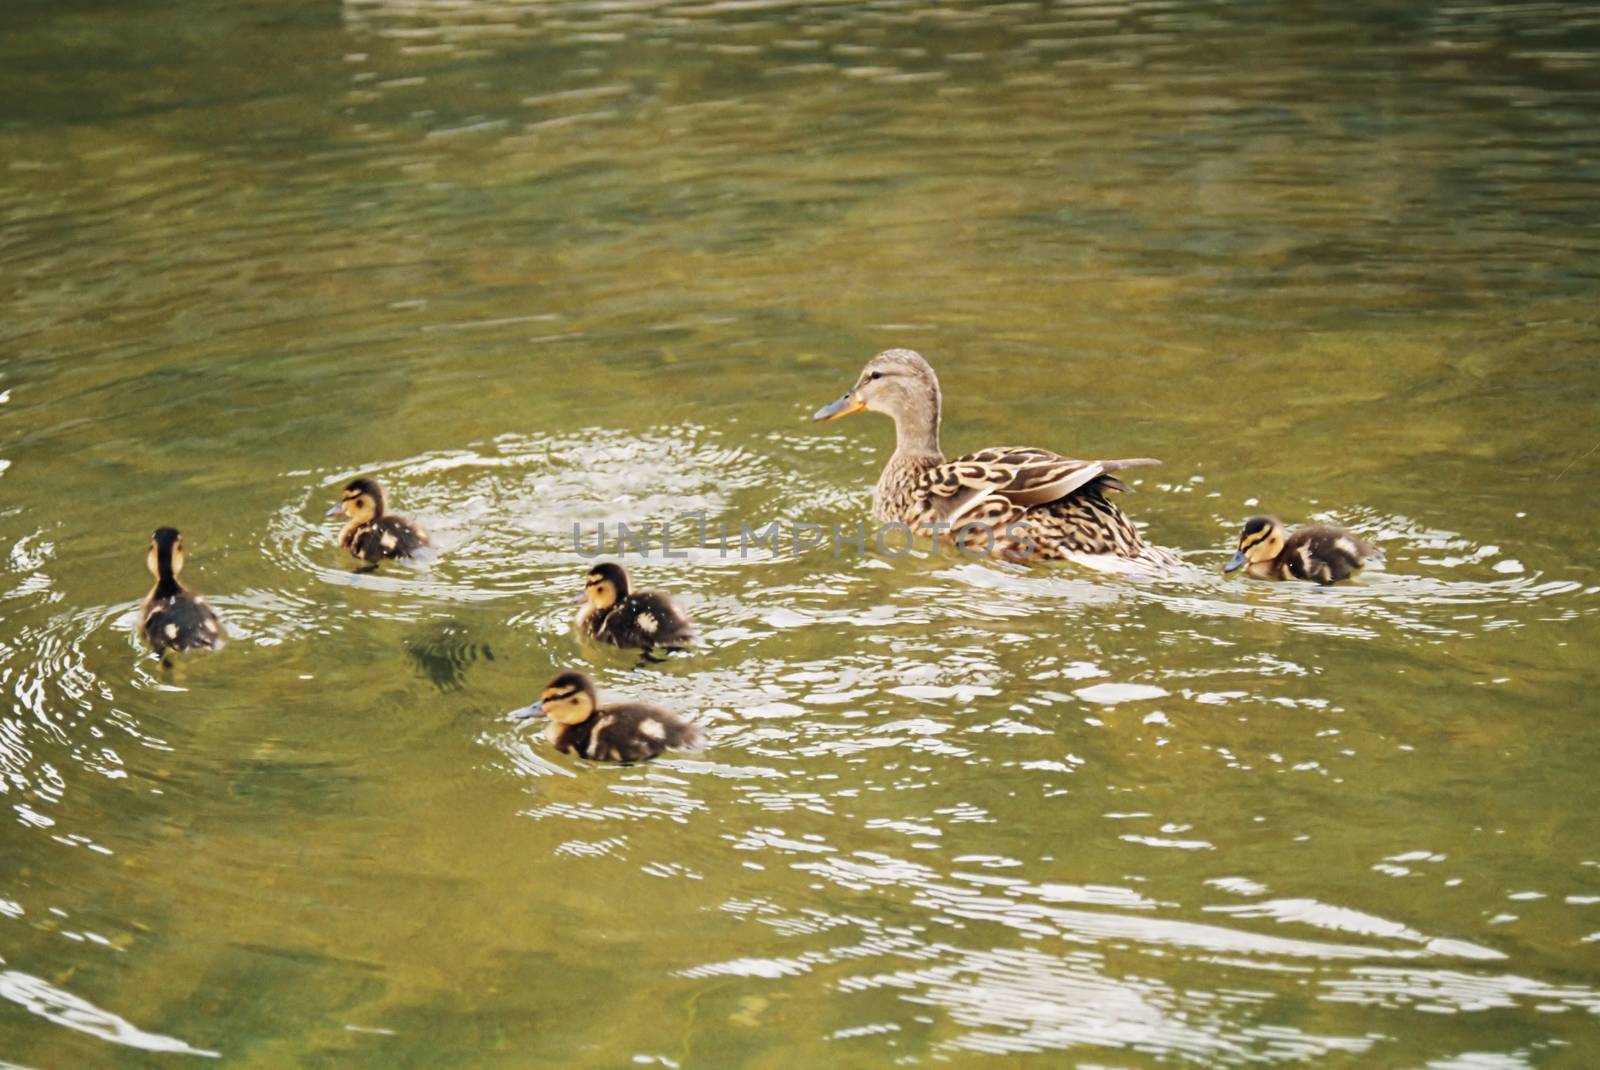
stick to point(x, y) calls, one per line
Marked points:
point(544, 264)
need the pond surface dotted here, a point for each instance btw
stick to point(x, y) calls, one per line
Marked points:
point(538, 265)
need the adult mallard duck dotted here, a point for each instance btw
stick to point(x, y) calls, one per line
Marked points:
point(1320, 553)
point(625, 732)
point(638, 620)
point(1015, 502)
point(372, 536)
point(174, 617)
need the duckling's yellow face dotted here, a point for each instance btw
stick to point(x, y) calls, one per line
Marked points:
point(600, 591)
point(358, 505)
point(567, 701)
point(153, 558)
point(1261, 540)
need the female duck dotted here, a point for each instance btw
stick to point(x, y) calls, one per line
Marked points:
point(639, 620)
point(626, 732)
point(1318, 553)
point(1015, 502)
point(173, 617)
point(372, 536)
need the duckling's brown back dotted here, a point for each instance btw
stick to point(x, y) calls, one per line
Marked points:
point(180, 622)
point(647, 621)
point(387, 537)
point(1324, 554)
point(636, 732)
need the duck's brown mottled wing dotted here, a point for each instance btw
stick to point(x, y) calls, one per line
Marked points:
point(1020, 477)
point(1024, 504)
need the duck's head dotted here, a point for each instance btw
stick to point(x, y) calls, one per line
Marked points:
point(362, 501)
point(165, 559)
point(568, 698)
point(896, 382)
point(1261, 539)
point(605, 586)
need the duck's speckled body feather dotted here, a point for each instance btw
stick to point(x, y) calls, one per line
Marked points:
point(647, 620)
point(390, 537)
point(176, 619)
point(628, 732)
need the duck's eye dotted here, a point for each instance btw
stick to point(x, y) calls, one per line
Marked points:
point(875, 375)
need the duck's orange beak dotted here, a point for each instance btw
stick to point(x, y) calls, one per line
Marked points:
point(848, 405)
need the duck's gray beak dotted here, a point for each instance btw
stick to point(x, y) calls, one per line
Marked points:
point(848, 405)
point(335, 510)
point(583, 596)
point(1235, 563)
point(525, 713)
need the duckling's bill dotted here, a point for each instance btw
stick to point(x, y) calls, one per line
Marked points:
point(1236, 562)
point(848, 405)
point(336, 509)
point(526, 713)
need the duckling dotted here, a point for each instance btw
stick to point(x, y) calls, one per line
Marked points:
point(372, 536)
point(626, 732)
point(643, 620)
point(1019, 503)
point(173, 617)
point(1319, 553)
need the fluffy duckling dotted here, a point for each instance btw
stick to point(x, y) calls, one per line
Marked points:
point(1319, 553)
point(639, 620)
point(372, 536)
point(1019, 503)
point(173, 617)
point(626, 732)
